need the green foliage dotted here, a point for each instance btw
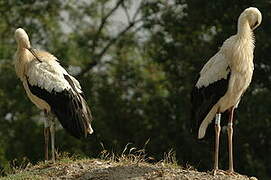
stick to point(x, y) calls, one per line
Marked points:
point(137, 72)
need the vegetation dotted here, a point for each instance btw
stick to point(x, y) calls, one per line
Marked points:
point(137, 62)
point(127, 166)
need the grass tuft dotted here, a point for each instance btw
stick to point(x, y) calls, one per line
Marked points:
point(131, 163)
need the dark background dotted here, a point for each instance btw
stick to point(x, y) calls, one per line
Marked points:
point(137, 63)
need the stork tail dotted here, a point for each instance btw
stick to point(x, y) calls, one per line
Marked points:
point(207, 120)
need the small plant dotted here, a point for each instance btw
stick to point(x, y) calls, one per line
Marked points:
point(19, 165)
point(128, 155)
point(2, 171)
point(170, 157)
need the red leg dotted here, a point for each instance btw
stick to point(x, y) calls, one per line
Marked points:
point(52, 132)
point(46, 138)
point(217, 134)
point(230, 134)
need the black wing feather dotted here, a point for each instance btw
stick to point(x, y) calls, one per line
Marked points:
point(68, 108)
point(203, 99)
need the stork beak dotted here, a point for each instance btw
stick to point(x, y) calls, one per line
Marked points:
point(255, 25)
point(34, 53)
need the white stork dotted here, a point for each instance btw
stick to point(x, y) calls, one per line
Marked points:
point(51, 89)
point(224, 79)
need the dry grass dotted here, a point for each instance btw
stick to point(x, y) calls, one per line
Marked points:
point(130, 164)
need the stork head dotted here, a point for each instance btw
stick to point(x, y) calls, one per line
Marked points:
point(253, 16)
point(22, 38)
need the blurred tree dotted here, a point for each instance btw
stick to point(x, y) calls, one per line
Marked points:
point(137, 62)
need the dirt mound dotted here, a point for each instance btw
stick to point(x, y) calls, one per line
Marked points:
point(96, 169)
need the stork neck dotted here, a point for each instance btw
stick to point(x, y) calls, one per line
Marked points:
point(23, 44)
point(21, 50)
point(244, 30)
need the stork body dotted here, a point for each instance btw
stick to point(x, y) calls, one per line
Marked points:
point(224, 79)
point(51, 89)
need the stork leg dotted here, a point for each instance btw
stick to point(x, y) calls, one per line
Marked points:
point(217, 134)
point(46, 136)
point(230, 134)
point(52, 131)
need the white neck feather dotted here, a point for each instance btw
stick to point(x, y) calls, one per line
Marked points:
point(23, 44)
point(244, 30)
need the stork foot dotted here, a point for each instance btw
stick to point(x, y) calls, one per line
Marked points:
point(218, 172)
point(231, 172)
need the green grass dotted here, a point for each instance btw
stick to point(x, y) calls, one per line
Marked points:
point(22, 176)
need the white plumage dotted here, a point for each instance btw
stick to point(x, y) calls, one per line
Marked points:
point(52, 89)
point(49, 75)
point(215, 69)
point(225, 77)
point(235, 56)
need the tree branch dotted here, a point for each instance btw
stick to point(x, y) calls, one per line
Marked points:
point(103, 22)
point(126, 13)
point(99, 56)
point(112, 41)
point(137, 11)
